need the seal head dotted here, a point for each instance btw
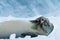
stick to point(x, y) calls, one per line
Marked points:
point(43, 26)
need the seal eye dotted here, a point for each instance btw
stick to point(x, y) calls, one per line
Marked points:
point(42, 19)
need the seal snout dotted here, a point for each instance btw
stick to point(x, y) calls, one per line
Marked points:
point(50, 29)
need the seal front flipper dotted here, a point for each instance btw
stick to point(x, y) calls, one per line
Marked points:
point(23, 35)
point(33, 35)
point(28, 34)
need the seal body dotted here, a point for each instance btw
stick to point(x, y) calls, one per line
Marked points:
point(22, 28)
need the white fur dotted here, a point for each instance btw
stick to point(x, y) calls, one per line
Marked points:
point(15, 26)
